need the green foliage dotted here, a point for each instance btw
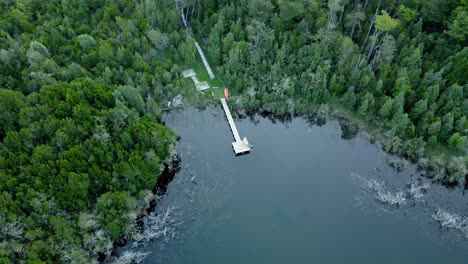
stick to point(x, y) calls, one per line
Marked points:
point(435, 11)
point(86, 41)
point(260, 9)
point(114, 212)
point(78, 143)
point(82, 85)
point(406, 14)
point(386, 109)
point(458, 29)
point(459, 69)
point(367, 104)
point(297, 9)
point(457, 142)
point(130, 97)
point(12, 103)
point(401, 66)
point(385, 22)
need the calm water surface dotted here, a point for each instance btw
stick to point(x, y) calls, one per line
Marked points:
point(299, 197)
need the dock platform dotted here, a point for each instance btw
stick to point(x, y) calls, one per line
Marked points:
point(240, 146)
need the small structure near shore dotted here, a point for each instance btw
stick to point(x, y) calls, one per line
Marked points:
point(200, 86)
point(177, 101)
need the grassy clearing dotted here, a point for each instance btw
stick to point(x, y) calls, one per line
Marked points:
point(218, 92)
point(217, 85)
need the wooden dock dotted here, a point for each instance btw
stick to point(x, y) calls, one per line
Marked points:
point(240, 146)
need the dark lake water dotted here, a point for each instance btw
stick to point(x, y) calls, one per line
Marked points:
point(303, 195)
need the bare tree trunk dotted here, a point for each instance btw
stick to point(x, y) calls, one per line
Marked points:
point(368, 33)
point(391, 7)
point(376, 59)
point(193, 8)
point(358, 62)
point(377, 47)
point(186, 13)
point(356, 9)
point(333, 7)
point(374, 44)
point(341, 14)
point(371, 24)
point(330, 15)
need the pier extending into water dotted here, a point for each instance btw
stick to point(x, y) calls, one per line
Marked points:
point(240, 146)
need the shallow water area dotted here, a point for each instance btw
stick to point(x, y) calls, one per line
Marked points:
point(303, 195)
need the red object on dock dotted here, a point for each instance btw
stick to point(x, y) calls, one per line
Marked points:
point(226, 92)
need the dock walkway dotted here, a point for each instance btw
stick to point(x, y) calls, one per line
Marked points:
point(240, 146)
point(205, 62)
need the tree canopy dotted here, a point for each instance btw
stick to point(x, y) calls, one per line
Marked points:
point(83, 84)
point(81, 90)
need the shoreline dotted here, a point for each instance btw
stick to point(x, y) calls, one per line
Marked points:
point(170, 167)
point(391, 183)
point(437, 168)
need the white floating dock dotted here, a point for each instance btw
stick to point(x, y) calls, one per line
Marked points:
point(240, 146)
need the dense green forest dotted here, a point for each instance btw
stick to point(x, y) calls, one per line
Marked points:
point(400, 66)
point(83, 82)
